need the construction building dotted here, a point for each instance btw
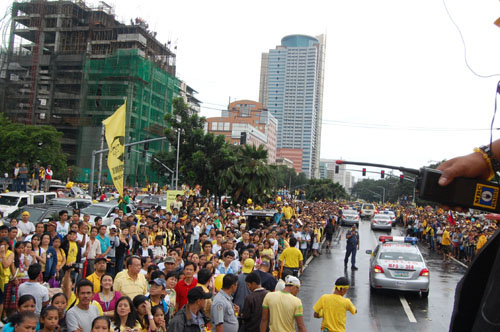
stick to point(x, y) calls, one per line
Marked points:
point(71, 65)
point(247, 122)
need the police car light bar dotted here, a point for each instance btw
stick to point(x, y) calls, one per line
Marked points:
point(384, 239)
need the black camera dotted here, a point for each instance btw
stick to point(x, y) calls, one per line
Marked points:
point(75, 266)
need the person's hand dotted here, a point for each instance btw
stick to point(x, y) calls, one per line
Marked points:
point(148, 308)
point(471, 166)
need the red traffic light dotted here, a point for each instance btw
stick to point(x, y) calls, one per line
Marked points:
point(382, 174)
point(364, 171)
point(401, 177)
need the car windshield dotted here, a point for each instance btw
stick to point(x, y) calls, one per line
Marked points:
point(150, 200)
point(95, 210)
point(382, 217)
point(35, 214)
point(8, 200)
point(401, 256)
point(78, 191)
point(368, 207)
point(57, 201)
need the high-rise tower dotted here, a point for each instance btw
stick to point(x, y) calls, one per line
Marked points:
point(292, 89)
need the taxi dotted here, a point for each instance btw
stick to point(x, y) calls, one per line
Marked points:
point(396, 263)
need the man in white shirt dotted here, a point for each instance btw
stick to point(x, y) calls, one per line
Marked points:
point(33, 287)
point(80, 317)
point(25, 225)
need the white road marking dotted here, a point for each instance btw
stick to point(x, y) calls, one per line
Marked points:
point(407, 309)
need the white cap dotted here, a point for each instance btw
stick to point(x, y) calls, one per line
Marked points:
point(292, 281)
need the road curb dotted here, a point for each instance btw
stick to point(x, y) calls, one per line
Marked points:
point(459, 262)
point(309, 260)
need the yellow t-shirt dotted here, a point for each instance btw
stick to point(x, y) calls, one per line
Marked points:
point(72, 253)
point(446, 240)
point(267, 252)
point(96, 281)
point(287, 212)
point(283, 308)
point(60, 255)
point(6, 271)
point(137, 327)
point(292, 256)
point(481, 242)
point(334, 309)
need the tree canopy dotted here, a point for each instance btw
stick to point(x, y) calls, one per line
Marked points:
point(30, 144)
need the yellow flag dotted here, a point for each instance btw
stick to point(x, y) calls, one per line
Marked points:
point(115, 137)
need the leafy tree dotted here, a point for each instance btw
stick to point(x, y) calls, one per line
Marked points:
point(31, 144)
point(250, 176)
point(202, 156)
point(285, 177)
point(324, 189)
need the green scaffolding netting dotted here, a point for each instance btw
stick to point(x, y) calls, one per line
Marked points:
point(149, 90)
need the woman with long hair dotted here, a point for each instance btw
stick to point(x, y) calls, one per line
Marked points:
point(36, 250)
point(143, 309)
point(125, 317)
point(60, 301)
point(107, 297)
point(48, 260)
point(19, 275)
point(61, 256)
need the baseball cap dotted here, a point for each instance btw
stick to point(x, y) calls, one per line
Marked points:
point(292, 281)
point(169, 259)
point(197, 293)
point(112, 227)
point(159, 282)
point(248, 265)
point(25, 213)
point(52, 223)
point(99, 259)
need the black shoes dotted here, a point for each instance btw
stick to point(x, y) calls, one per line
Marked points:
point(354, 268)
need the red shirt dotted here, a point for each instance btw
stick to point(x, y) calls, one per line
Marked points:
point(182, 289)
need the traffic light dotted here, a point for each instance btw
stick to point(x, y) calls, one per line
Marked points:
point(129, 149)
point(364, 171)
point(143, 153)
point(382, 174)
point(243, 138)
point(146, 146)
point(401, 177)
point(336, 169)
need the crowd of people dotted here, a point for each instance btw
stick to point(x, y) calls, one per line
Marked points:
point(451, 234)
point(38, 177)
point(197, 268)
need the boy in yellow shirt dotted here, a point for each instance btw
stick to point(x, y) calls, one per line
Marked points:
point(333, 308)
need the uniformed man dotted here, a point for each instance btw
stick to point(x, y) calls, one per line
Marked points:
point(352, 237)
point(223, 311)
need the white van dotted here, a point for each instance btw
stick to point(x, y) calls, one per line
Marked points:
point(10, 202)
point(367, 210)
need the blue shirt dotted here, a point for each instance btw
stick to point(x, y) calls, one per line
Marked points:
point(353, 241)
point(105, 243)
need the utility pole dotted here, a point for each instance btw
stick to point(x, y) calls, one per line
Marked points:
point(177, 161)
point(99, 173)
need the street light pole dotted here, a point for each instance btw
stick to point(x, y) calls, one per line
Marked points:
point(383, 194)
point(177, 161)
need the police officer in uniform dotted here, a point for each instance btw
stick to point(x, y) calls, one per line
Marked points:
point(352, 237)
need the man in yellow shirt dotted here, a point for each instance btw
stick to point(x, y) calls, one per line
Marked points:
point(281, 310)
point(100, 269)
point(287, 212)
point(291, 260)
point(445, 243)
point(133, 283)
point(333, 307)
point(481, 241)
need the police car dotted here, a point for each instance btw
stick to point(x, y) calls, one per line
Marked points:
point(396, 263)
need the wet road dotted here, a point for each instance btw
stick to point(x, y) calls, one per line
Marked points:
point(386, 310)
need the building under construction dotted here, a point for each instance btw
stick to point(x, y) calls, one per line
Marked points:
point(70, 65)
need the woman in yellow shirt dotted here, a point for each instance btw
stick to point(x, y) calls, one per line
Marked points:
point(125, 316)
point(61, 255)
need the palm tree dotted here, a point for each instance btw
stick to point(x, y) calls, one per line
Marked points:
point(249, 176)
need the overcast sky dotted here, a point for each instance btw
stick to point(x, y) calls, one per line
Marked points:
point(397, 90)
